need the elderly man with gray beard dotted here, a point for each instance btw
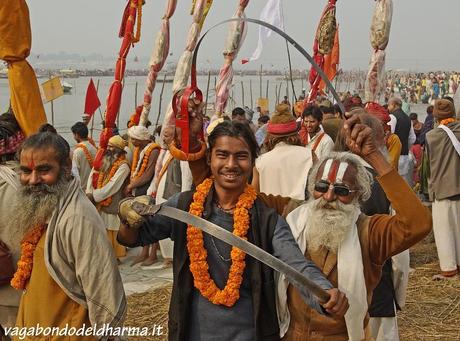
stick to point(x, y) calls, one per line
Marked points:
point(348, 246)
point(64, 279)
point(105, 190)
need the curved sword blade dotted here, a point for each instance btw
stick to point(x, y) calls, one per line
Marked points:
point(294, 276)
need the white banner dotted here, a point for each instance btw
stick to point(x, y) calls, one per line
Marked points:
point(272, 14)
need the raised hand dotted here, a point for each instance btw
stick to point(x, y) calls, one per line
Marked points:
point(359, 137)
point(195, 112)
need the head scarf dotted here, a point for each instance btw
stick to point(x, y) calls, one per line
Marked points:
point(139, 133)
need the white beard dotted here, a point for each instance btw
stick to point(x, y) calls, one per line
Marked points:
point(107, 162)
point(329, 223)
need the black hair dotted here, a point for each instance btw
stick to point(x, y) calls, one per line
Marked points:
point(449, 99)
point(80, 129)
point(238, 130)
point(327, 109)
point(263, 119)
point(238, 111)
point(46, 140)
point(314, 112)
point(46, 127)
point(413, 116)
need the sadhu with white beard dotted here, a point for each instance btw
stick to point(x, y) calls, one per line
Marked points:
point(67, 272)
point(107, 191)
point(349, 247)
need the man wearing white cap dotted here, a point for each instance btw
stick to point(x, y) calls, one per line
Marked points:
point(107, 191)
point(145, 157)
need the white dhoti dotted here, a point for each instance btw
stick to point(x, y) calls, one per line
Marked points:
point(446, 228)
point(384, 328)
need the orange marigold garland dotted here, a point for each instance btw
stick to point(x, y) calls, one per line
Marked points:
point(180, 155)
point(25, 263)
point(447, 121)
point(87, 153)
point(145, 160)
point(102, 180)
point(198, 254)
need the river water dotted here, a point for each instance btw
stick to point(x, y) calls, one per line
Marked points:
point(69, 108)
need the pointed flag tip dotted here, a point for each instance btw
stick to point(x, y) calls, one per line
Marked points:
point(244, 61)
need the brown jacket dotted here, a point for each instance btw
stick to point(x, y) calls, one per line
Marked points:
point(381, 236)
point(444, 180)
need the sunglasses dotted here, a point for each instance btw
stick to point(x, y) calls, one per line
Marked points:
point(339, 189)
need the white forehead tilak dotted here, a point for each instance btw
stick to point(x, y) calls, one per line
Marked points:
point(326, 169)
point(341, 172)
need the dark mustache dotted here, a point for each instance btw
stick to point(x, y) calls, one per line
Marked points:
point(40, 188)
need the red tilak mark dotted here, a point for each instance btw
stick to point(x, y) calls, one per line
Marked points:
point(333, 172)
point(31, 164)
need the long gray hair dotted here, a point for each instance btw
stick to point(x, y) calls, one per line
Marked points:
point(364, 179)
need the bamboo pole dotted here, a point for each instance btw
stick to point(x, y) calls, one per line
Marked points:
point(52, 105)
point(290, 70)
point(118, 113)
point(260, 82)
point(287, 85)
point(135, 95)
point(99, 109)
point(207, 93)
point(242, 92)
point(276, 93)
point(161, 100)
point(52, 112)
point(250, 92)
point(279, 93)
point(266, 90)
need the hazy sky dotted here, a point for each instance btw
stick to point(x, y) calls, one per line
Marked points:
point(423, 33)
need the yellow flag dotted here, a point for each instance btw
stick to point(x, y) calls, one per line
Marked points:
point(263, 104)
point(52, 89)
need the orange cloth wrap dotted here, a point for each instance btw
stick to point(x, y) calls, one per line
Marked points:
point(15, 43)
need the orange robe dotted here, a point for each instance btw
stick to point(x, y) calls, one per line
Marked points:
point(15, 44)
point(46, 304)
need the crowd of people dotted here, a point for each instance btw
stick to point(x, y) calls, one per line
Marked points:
point(422, 87)
point(335, 195)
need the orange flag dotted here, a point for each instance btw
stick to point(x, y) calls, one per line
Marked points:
point(331, 61)
point(15, 43)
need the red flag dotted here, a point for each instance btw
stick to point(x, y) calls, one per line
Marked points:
point(92, 101)
point(331, 61)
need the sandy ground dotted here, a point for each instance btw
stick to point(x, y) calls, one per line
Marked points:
point(432, 310)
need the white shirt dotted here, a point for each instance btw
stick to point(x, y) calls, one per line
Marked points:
point(111, 221)
point(80, 161)
point(392, 125)
point(324, 147)
point(186, 179)
point(284, 170)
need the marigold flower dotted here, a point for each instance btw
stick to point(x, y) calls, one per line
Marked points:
point(198, 254)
